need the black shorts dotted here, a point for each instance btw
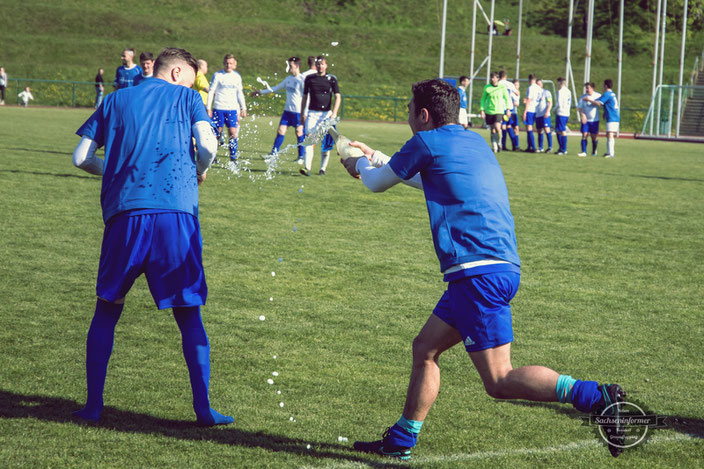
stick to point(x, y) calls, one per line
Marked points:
point(492, 119)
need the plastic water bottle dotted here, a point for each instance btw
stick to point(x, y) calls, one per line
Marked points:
point(342, 144)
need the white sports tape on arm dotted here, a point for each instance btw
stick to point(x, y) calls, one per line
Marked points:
point(207, 145)
point(379, 159)
point(84, 157)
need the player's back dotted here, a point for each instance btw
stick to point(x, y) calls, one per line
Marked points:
point(465, 193)
point(611, 108)
point(149, 158)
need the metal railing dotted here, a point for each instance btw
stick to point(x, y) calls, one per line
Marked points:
point(54, 92)
point(658, 123)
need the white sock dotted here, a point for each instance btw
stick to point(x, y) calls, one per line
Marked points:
point(309, 157)
point(325, 157)
point(611, 145)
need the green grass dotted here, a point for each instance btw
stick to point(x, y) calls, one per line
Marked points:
point(611, 290)
point(383, 46)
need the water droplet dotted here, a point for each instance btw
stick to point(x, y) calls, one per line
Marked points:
point(274, 357)
point(273, 274)
point(294, 228)
point(334, 43)
point(270, 381)
point(281, 259)
point(271, 298)
point(262, 317)
point(281, 404)
point(275, 373)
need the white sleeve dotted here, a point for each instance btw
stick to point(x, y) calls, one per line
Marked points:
point(84, 157)
point(240, 95)
point(274, 89)
point(211, 91)
point(380, 179)
point(207, 145)
point(379, 159)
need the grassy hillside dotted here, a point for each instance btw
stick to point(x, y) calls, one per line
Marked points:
point(383, 46)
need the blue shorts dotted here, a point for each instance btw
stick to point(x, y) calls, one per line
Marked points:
point(225, 118)
point(561, 124)
point(590, 127)
point(542, 122)
point(530, 118)
point(513, 120)
point(478, 307)
point(291, 119)
point(328, 143)
point(166, 246)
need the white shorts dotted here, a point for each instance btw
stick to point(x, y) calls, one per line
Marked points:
point(612, 126)
point(314, 118)
point(463, 117)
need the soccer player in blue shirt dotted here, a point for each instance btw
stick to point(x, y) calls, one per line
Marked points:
point(474, 237)
point(611, 115)
point(149, 197)
point(464, 112)
point(128, 71)
point(146, 60)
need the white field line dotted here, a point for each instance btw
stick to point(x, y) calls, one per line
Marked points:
point(482, 455)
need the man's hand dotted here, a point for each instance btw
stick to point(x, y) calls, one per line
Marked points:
point(368, 152)
point(201, 178)
point(350, 165)
point(244, 112)
point(210, 113)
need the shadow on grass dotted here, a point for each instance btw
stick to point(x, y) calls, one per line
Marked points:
point(666, 178)
point(56, 409)
point(40, 173)
point(691, 426)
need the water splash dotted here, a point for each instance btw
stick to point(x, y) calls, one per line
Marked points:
point(317, 134)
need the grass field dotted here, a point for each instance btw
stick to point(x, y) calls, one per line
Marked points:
point(611, 290)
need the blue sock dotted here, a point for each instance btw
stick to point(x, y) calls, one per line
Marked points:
point(531, 140)
point(503, 138)
point(277, 143)
point(583, 395)
point(540, 140)
point(401, 437)
point(233, 148)
point(301, 148)
point(101, 336)
point(196, 351)
point(584, 145)
point(594, 144)
point(512, 135)
point(549, 136)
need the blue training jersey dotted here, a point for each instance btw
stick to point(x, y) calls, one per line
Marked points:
point(149, 156)
point(124, 77)
point(610, 102)
point(463, 97)
point(465, 193)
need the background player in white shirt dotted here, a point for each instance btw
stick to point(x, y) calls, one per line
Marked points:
point(542, 117)
point(531, 101)
point(293, 84)
point(225, 99)
point(564, 106)
point(589, 115)
point(507, 126)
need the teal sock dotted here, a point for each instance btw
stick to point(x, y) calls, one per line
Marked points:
point(411, 426)
point(564, 387)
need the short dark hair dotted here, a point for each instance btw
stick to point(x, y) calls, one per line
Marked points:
point(560, 80)
point(531, 77)
point(592, 84)
point(311, 60)
point(171, 55)
point(608, 83)
point(463, 78)
point(146, 56)
point(294, 59)
point(441, 99)
point(320, 58)
point(493, 75)
point(227, 57)
point(502, 74)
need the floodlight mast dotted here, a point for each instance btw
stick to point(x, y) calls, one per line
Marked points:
point(441, 73)
point(491, 38)
point(679, 90)
point(590, 27)
point(518, 40)
point(655, 60)
point(471, 58)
